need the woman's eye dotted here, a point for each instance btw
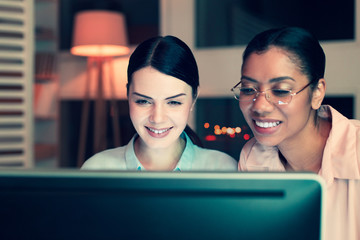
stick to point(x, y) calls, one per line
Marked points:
point(142, 102)
point(247, 91)
point(174, 103)
point(280, 92)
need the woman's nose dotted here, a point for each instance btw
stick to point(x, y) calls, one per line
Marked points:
point(261, 104)
point(157, 114)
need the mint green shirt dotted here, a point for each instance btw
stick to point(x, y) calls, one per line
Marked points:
point(193, 158)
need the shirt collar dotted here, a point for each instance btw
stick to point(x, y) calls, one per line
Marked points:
point(132, 162)
point(185, 162)
point(340, 157)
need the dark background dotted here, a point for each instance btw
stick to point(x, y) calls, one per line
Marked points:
point(235, 22)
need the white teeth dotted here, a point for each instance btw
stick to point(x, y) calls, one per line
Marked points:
point(158, 131)
point(267, 124)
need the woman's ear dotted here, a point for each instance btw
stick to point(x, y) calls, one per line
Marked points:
point(318, 94)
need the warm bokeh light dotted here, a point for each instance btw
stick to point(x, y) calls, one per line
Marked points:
point(210, 138)
point(230, 131)
point(218, 131)
point(246, 137)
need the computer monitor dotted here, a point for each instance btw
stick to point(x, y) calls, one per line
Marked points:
point(159, 205)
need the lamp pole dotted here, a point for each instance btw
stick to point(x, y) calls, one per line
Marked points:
point(99, 35)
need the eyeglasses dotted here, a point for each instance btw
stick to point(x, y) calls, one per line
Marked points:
point(277, 96)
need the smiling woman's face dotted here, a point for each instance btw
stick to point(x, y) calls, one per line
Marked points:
point(274, 124)
point(159, 106)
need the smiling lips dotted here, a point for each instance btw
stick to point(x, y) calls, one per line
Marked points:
point(267, 124)
point(158, 132)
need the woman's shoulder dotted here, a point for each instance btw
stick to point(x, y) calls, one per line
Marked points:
point(246, 149)
point(214, 157)
point(255, 156)
point(355, 123)
point(108, 159)
point(212, 153)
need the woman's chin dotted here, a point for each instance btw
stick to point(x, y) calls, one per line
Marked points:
point(267, 141)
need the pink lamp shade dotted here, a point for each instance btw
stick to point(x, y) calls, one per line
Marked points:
point(99, 33)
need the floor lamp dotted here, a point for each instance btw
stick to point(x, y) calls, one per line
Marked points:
point(98, 35)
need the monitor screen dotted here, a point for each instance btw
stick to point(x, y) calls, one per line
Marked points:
point(71, 204)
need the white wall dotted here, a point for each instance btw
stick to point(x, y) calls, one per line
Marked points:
point(220, 67)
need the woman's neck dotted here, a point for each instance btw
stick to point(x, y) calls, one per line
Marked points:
point(160, 159)
point(305, 152)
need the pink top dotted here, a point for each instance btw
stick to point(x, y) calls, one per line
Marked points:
point(340, 170)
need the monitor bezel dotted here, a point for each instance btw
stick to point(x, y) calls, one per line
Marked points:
point(168, 181)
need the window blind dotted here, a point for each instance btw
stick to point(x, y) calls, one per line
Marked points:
point(16, 83)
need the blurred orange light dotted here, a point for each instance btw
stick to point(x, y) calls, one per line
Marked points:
point(218, 131)
point(216, 127)
point(230, 131)
point(224, 129)
point(206, 125)
point(238, 129)
point(99, 50)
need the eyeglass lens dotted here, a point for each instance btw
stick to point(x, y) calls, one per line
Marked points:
point(277, 96)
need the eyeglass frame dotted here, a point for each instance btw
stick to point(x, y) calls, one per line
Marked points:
point(257, 93)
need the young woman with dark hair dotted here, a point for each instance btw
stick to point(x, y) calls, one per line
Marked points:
point(280, 94)
point(171, 56)
point(162, 89)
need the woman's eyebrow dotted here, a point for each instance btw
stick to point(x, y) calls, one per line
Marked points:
point(248, 78)
point(171, 97)
point(277, 79)
point(175, 96)
point(141, 95)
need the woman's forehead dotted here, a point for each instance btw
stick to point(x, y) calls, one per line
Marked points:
point(150, 80)
point(271, 67)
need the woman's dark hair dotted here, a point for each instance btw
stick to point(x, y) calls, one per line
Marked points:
point(305, 50)
point(171, 56)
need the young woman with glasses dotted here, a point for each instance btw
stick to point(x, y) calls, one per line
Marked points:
point(162, 88)
point(280, 94)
